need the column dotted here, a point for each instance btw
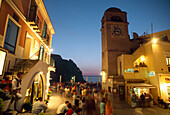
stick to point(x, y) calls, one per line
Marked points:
point(60, 78)
point(86, 78)
point(99, 79)
point(74, 79)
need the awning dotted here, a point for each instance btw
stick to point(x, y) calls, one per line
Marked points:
point(140, 85)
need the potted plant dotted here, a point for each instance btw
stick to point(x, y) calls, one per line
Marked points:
point(1, 105)
point(48, 96)
point(49, 92)
point(46, 101)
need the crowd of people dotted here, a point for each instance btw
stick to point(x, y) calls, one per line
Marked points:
point(10, 91)
point(87, 100)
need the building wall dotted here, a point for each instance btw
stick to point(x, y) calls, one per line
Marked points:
point(23, 6)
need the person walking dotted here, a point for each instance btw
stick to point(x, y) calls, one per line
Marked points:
point(102, 106)
point(108, 108)
point(89, 105)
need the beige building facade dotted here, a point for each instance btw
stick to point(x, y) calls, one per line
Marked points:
point(147, 70)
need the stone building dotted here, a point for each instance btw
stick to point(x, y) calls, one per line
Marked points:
point(115, 41)
point(25, 46)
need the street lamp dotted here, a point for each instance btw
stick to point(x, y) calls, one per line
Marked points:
point(154, 40)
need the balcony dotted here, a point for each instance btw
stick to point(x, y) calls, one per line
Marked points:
point(137, 73)
point(46, 39)
point(52, 62)
point(34, 23)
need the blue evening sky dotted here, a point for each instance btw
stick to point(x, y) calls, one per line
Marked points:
point(77, 26)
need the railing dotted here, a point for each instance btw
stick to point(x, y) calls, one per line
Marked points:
point(25, 64)
point(52, 62)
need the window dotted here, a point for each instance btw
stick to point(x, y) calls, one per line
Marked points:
point(44, 30)
point(41, 52)
point(11, 37)
point(116, 19)
point(36, 45)
point(33, 11)
point(168, 61)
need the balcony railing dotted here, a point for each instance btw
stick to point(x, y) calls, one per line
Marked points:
point(46, 39)
point(52, 62)
point(35, 23)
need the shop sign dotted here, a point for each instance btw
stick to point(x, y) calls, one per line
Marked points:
point(129, 70)
point(151, 73)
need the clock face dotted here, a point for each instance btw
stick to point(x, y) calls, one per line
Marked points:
point(116, 31)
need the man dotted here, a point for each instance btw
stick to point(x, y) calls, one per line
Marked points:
point(39, 106)
point(63, 108)
point(16, 83)
point(142, 97)
point(134, 99)
point(16, 87)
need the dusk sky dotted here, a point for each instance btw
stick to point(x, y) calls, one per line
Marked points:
point(77, 26)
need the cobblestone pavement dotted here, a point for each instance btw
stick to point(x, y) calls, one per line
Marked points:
point(121, 108)
point(56, 100)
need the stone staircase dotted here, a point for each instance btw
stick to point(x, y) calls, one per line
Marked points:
point(23, 65)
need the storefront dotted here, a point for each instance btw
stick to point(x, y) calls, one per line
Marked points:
point(138, 88)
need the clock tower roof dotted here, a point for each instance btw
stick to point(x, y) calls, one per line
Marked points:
point(113, 9)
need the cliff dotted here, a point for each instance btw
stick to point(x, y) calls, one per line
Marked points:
point(66, 68)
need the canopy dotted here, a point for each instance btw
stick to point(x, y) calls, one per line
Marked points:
point(141, 85)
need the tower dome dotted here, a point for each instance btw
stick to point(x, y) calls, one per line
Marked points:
point(113, 9)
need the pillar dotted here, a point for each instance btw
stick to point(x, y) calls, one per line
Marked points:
point(60, 78)
point(74, 79)
point(86, 78)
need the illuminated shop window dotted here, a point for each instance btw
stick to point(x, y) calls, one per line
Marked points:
point(168, 61)
point(2, 60)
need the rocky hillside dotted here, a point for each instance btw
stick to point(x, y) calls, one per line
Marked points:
point(66, 68)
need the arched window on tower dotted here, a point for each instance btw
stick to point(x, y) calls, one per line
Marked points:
point(116, 19)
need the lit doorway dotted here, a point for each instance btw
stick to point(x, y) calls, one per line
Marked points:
point(35, 91)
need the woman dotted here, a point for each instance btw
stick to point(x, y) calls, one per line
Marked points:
point(102, 106)
point(108, 108)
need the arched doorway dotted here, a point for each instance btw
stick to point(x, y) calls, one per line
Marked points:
point(36, 90)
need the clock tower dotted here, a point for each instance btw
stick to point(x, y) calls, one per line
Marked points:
point(115, 40)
